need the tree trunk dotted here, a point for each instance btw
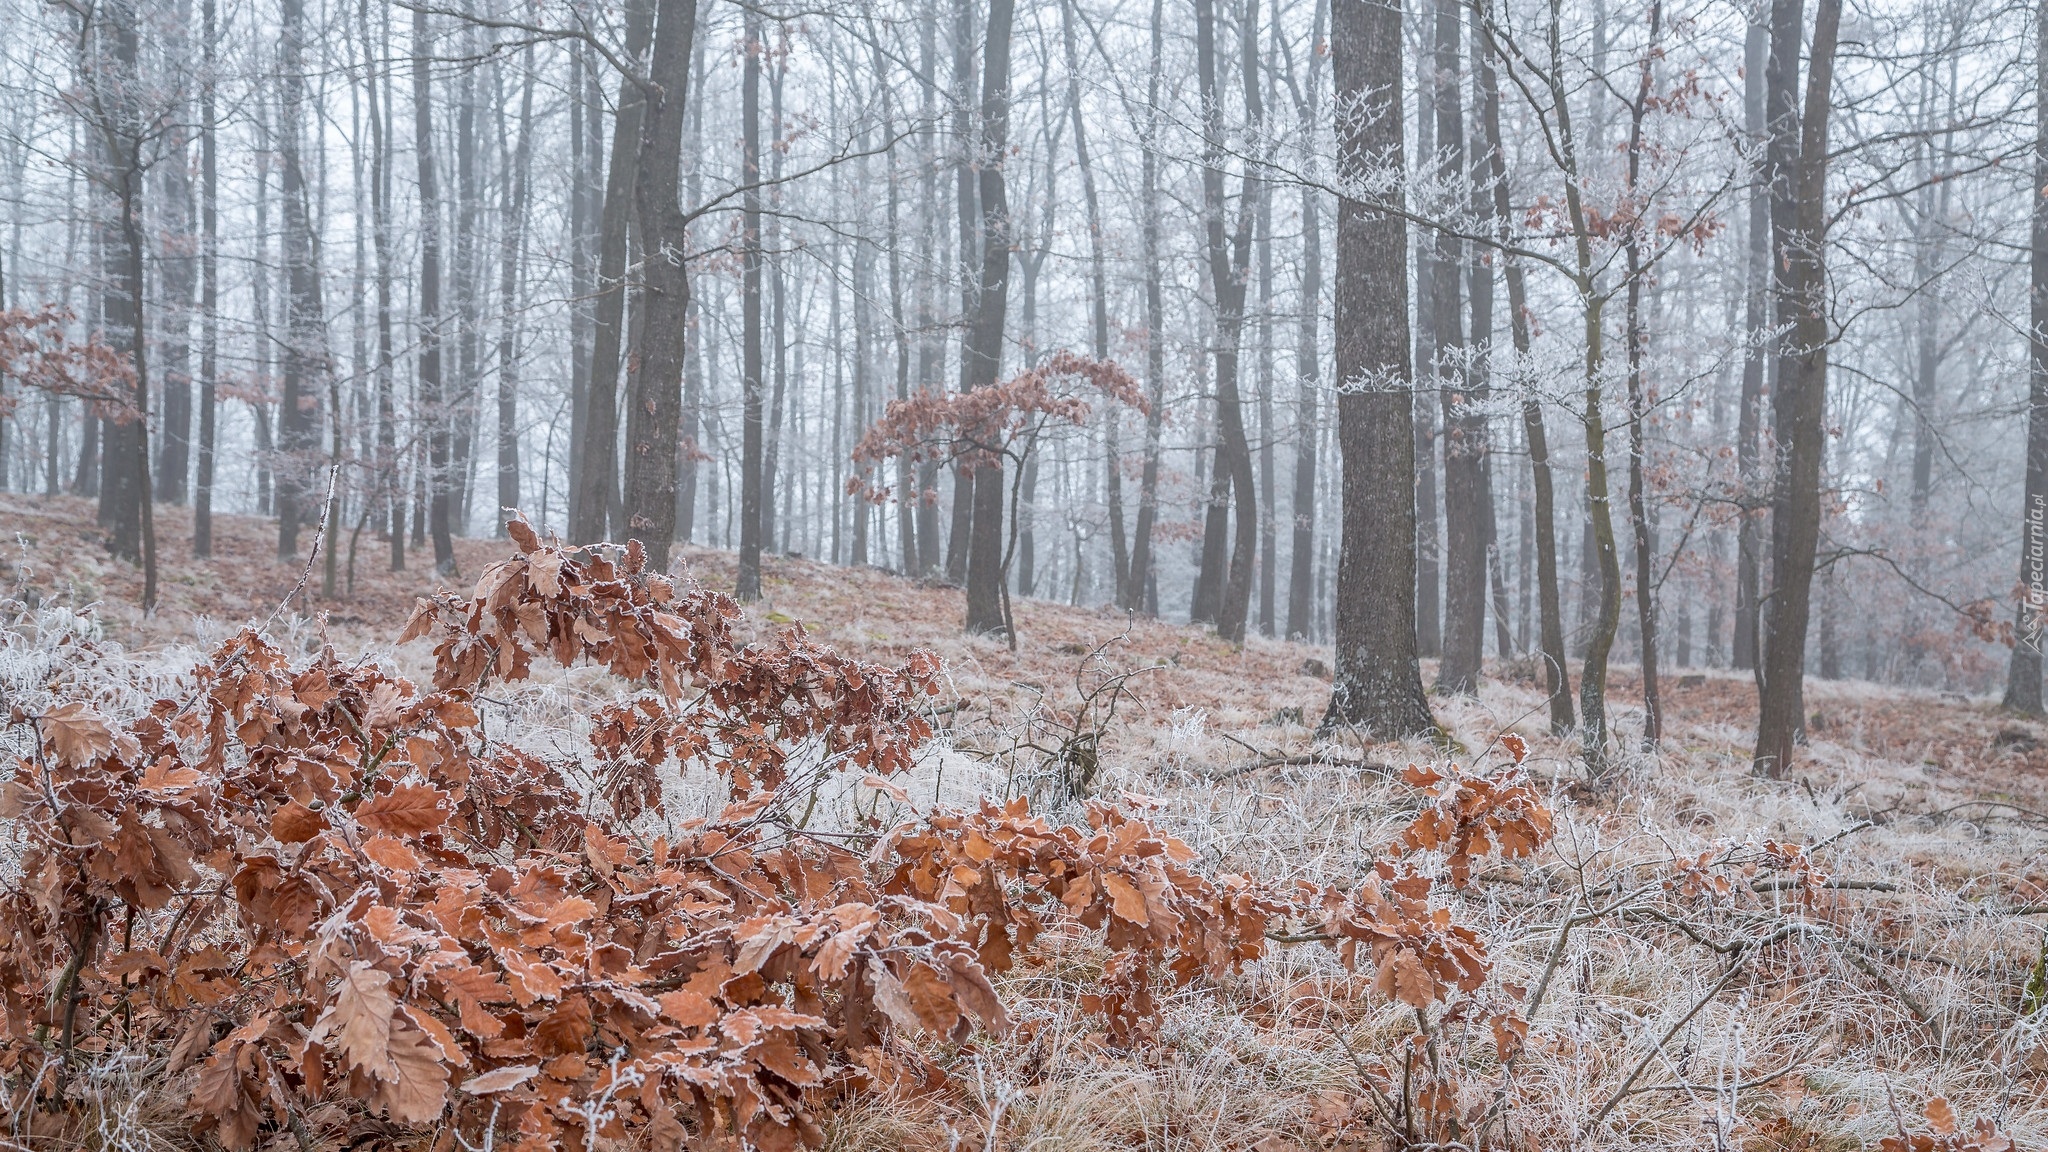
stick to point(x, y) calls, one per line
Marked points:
point(586, 147)
point(1143, 590)
point(1464, 446)
point(1550, 609)
point(432, 406)
point(597, 480)
point(1378, 686)
point(778, 299)
point(388, 489)
point(1798, 158)
point(518, 168)
point(1638, 405)
point(1307, 368)
point(1098, 291)
point(1229, 258)
point(985, 559)
point(654, 410)
point(467, 290)
point(1268, 530)
point(931, 343)
point(178, 259)
point(2023, 674)
point(209, 291)
point(124, 470)
point(1749, 416)
point(305, 365)
point(967, 196)
point(749, 583)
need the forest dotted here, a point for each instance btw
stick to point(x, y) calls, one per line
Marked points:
point(1226, 574)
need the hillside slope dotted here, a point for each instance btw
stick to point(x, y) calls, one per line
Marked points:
point(1744, 963)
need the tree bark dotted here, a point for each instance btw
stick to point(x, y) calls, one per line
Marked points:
point(1464, 447)
point(1638, 404)
point(967, 201)
point(1229, 258)
point(748, 586)
point(1378, 686)
point(1749, 416)
point(597, 479)
point(305, 365)
point(1143, 584)
point(2023, 673)
point(467, 289)
point(985, 559)
point(931, 343)
point(655, 407)
point(179, 277)
point(518, 167)
point(1798, 157)
point(433, 408)
point(209, 290)
point(112, 86)
point(1307, 366)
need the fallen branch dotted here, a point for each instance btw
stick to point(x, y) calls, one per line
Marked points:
point(1787, 883)
point(1301, 760)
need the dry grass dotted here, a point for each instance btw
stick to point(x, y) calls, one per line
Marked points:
point(1875, 998)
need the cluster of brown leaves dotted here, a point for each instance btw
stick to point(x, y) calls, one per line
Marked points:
point(317, 890)
point(984, 426)
point(753, 704)
point(36, 353)
point(1135, 884)
point(1474, 815)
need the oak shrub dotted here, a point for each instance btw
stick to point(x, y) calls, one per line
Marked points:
point(315, 890)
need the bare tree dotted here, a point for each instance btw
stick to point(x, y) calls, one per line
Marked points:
point(1798, 159)
point(1378, 685)
point(2023, 672)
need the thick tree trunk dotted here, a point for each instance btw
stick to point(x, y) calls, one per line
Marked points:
point(1798, 150)
point(655, 407)
point(305, 364)
point(125, 474)
point(597, 480)
point(2023, 674)
point(985, 559)
point(1378, 685)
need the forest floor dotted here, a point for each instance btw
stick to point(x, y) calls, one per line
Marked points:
point(1908, 838)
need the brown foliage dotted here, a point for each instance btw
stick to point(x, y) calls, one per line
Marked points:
point(36, 353)
point(984, 426)
point(316, 888)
